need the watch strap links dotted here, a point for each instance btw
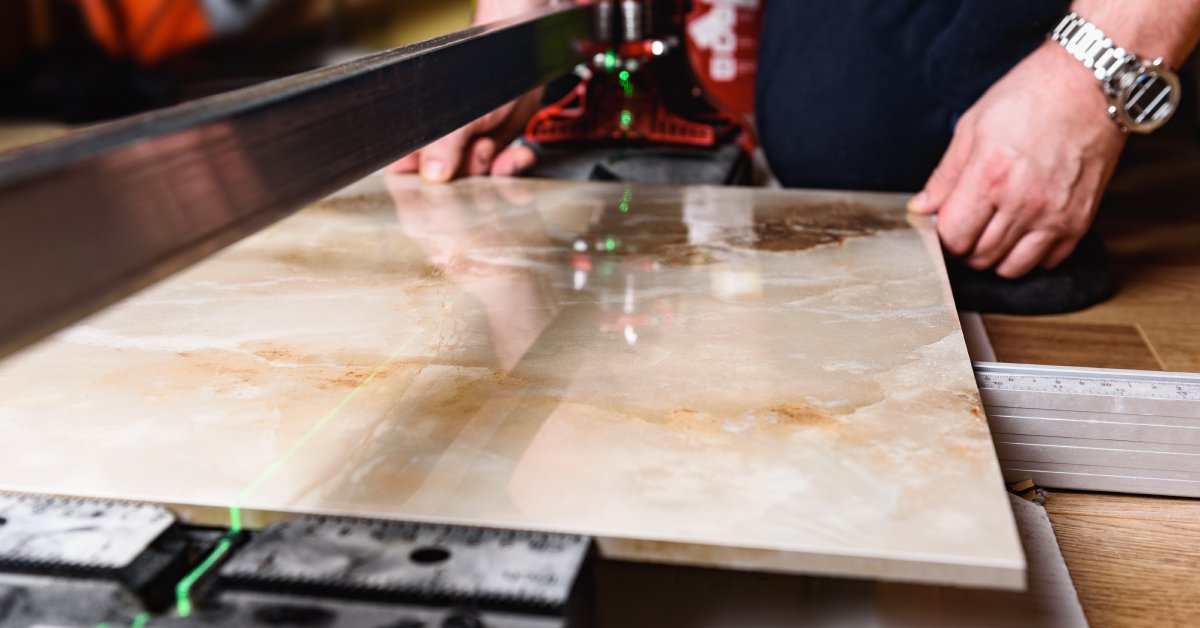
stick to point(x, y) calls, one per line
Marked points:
point(1087, 43)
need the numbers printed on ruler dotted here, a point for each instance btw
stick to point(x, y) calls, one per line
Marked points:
point(1090, 386)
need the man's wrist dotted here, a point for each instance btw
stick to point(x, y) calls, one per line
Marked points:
point(1148, 29)
point(1081, 86)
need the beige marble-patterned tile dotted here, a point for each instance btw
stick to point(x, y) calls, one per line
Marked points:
point(722, 377)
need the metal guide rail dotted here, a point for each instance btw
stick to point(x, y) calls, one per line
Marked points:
point(98, 214)
point(1095, 429)
point(69, 562)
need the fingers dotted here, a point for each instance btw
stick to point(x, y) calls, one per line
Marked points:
point(514, 160)
point(998, 238)
point(1027, 254)
point(945, 177)
point(1059, 252)
point(968, 209)
point(441, 160)
point(479, 162)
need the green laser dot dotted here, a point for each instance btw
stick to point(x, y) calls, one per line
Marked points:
point(140, 620)
point(610, 244)
point(626, 118)
point(624, 208)
point(624, 75)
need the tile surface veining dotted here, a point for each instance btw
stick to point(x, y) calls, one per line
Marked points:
point(713, 376)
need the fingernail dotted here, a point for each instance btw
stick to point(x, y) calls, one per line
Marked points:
point(919, 203)
point(433, 170)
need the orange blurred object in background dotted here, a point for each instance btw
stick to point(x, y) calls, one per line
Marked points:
point(147, 31)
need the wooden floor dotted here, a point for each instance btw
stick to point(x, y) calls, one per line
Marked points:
point(1135, 560)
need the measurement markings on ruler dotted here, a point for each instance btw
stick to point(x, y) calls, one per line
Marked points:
point(1114, 391)
point(41, 530)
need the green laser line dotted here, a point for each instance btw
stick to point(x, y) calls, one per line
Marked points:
point(299, 444)
point(183, 590)
point(183, 602)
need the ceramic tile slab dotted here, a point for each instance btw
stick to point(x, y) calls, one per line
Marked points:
point(725, 377)
point(633, 595)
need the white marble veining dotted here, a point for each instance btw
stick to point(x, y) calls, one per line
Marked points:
point(754, 379)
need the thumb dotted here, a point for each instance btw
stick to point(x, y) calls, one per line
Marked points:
point(941, 183)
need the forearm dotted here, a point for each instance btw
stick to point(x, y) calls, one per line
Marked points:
point(1160, 28)
point(492, 10)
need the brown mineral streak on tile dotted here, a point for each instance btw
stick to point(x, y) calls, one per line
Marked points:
point(262, 364)
point(802, 227)
point(805, 415)
point(783, 417)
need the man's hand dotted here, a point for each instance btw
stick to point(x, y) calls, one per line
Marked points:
point(472, 150)
point(1019, 185)
point(483, 146)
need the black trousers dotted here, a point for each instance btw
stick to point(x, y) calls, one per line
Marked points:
point(864, 94)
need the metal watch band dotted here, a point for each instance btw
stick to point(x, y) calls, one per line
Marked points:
point(1088, 44)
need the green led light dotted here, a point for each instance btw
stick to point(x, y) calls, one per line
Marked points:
point(610, 243)
point(626, 86)
point(624, 207)
point(626, 118)
point(610, 60)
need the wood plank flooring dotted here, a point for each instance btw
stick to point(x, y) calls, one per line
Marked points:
point(1135, 560)
point(1101, 345)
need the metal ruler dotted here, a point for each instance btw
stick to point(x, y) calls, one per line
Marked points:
point(1147, 393)
point(1095, 429)
point(81, 533)
point(375, 559)
point(86, 562)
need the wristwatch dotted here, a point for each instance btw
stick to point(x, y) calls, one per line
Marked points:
point(1142, 94)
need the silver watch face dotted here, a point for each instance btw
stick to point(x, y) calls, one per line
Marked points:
point(1148, 98)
